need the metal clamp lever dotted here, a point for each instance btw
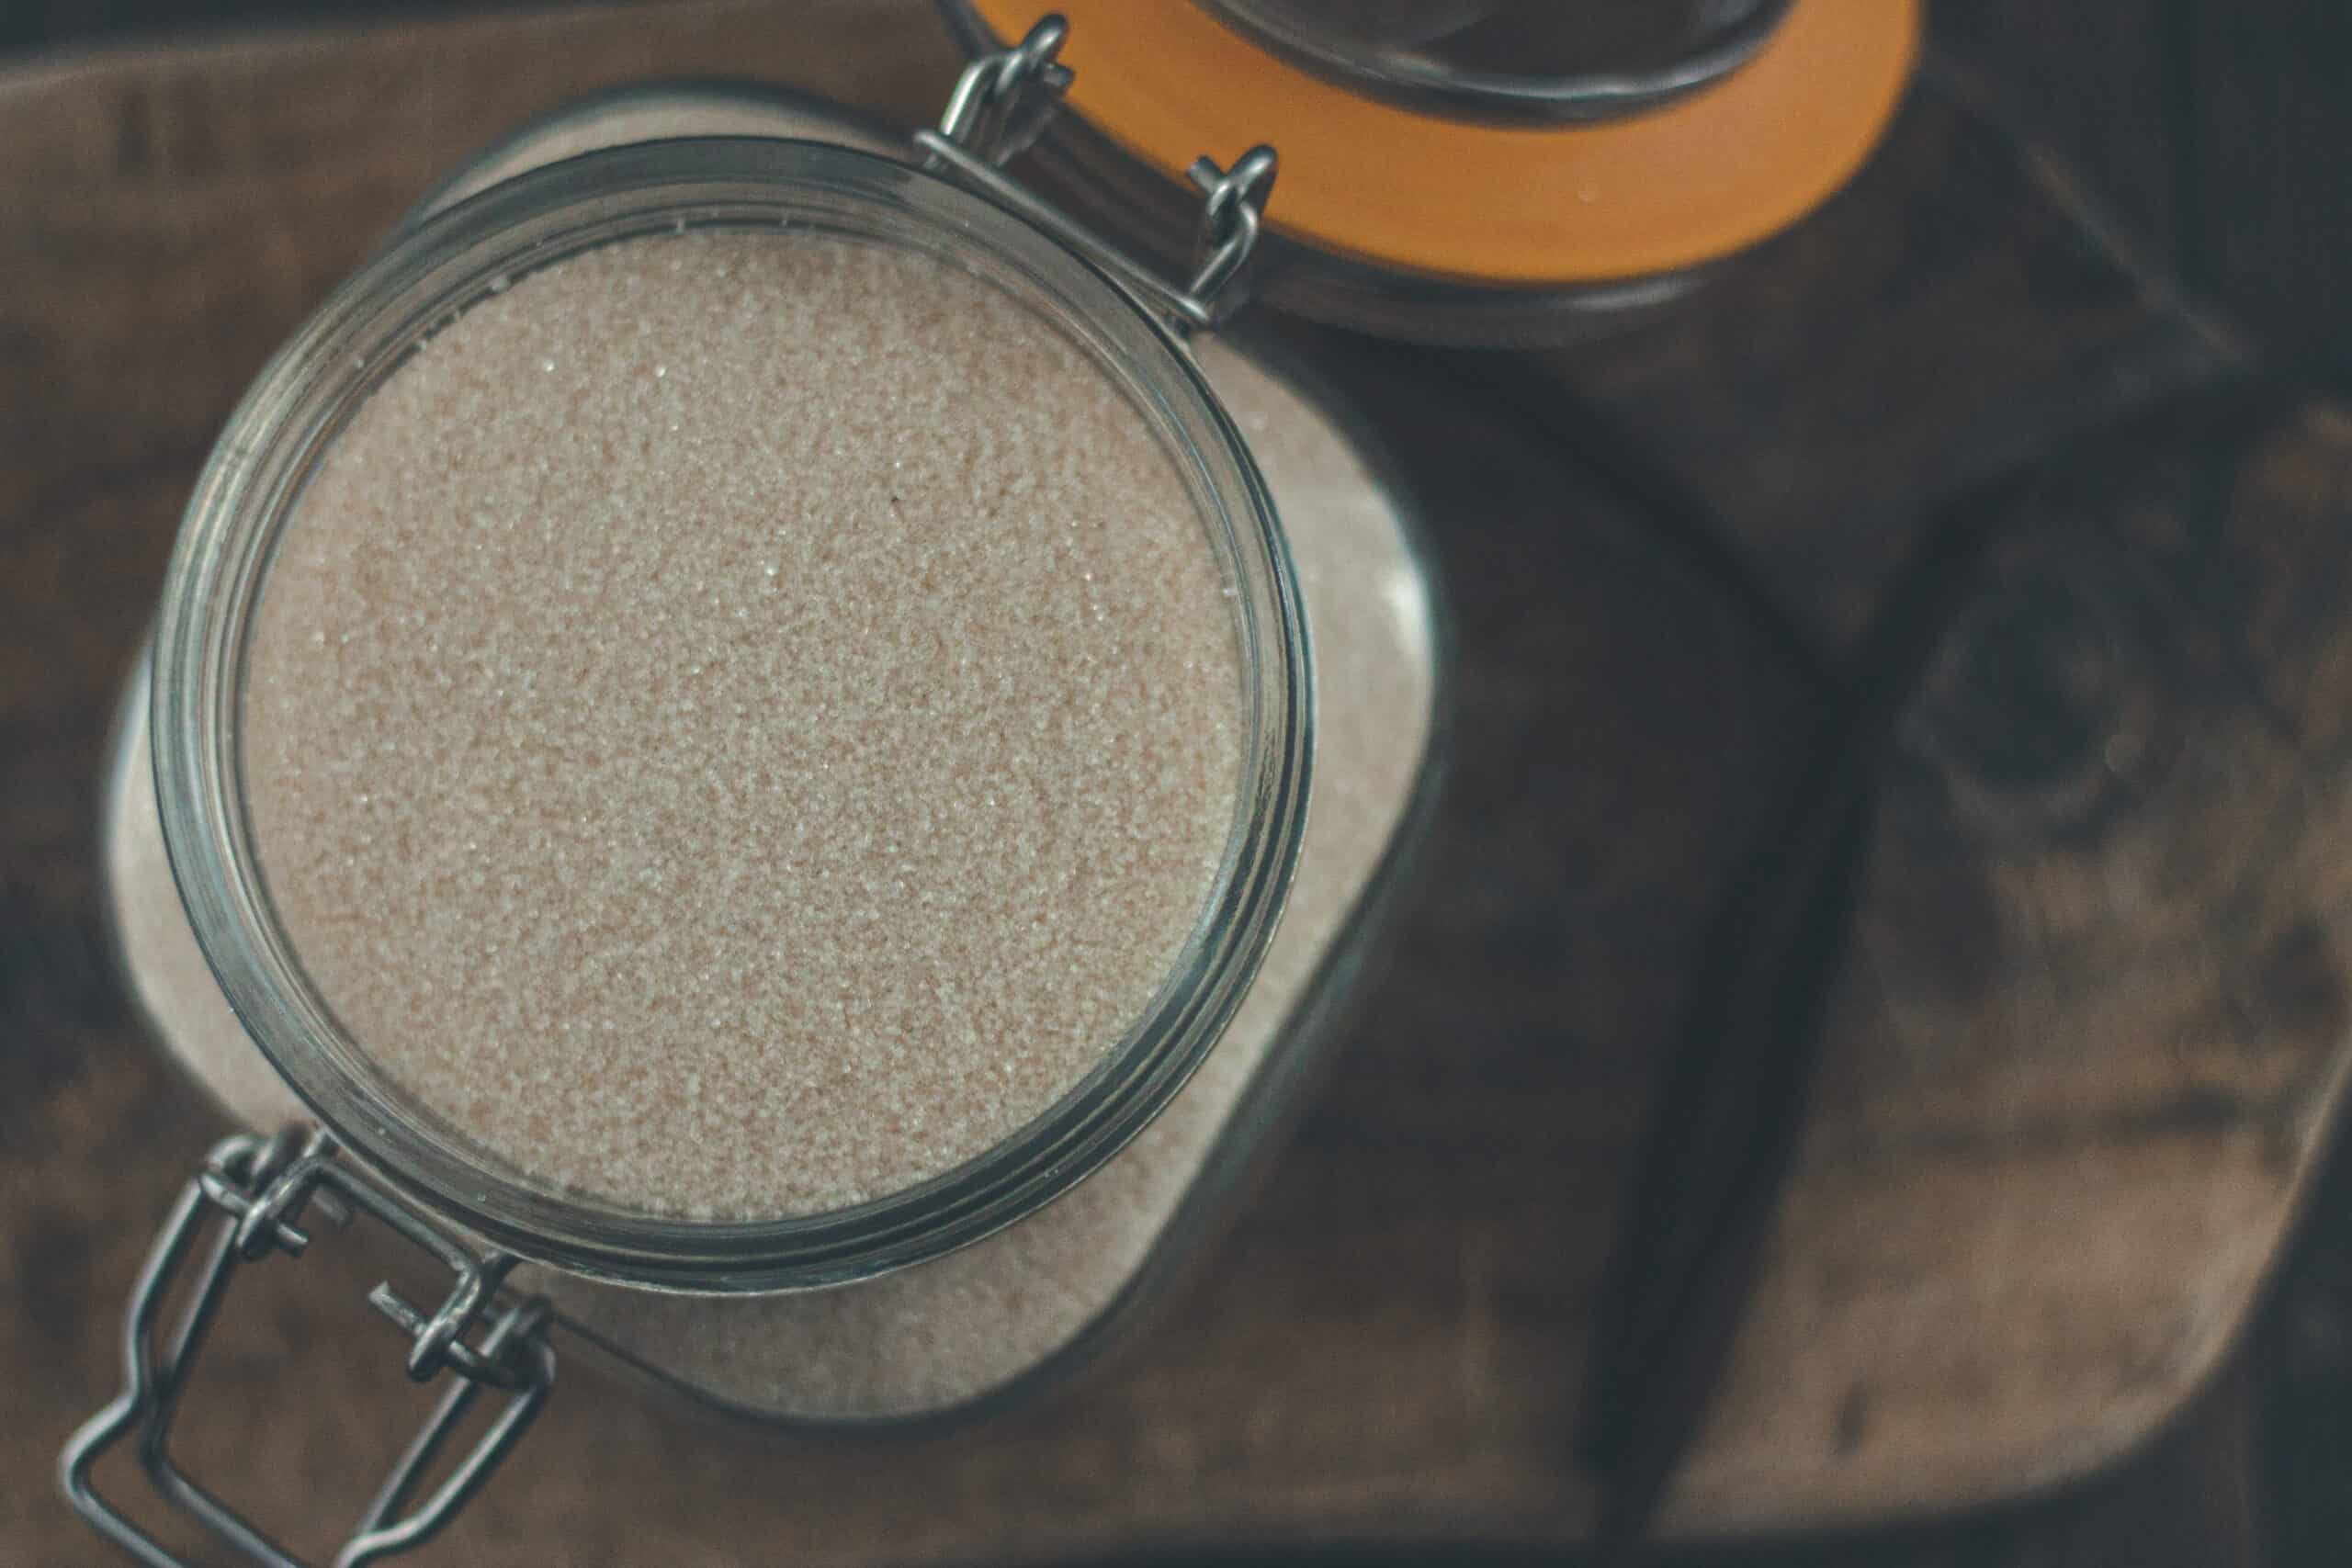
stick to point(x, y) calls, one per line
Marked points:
point(255, 1192)
point(1000, 105)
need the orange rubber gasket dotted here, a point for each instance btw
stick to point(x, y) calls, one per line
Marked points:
point(1652, 193)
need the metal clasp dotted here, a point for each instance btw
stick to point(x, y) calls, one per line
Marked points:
point(1002, 104)
point(254, 1193)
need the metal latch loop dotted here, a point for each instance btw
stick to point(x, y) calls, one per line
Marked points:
point(252, 1195)
point(998, 107)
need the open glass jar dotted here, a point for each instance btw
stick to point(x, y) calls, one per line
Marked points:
point(898, 1238)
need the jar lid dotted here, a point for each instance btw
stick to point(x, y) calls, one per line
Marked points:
point(1719, 168)
point(1514, 61)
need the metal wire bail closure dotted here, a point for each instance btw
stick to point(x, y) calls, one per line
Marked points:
point(254, 1192)
point(1000, 105)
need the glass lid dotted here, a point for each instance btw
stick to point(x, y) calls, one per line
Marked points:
point(1515, 60)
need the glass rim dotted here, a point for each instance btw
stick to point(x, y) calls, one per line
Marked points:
point(424, 277)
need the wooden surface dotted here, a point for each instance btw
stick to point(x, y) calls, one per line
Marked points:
point(2212, 132)
point(2095, 1015)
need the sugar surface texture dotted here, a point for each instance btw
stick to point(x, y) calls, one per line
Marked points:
point(945, 1332)
point(740, 722)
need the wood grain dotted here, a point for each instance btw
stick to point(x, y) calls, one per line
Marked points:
point(2081, 1057)
point(2272, 124)
point(2096, 83)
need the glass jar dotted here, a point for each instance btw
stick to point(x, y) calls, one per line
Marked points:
point(972, 1284)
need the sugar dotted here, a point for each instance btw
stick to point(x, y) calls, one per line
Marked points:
point(739, 724)
point(948, 1331)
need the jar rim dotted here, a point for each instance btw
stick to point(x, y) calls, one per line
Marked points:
point(428, 275)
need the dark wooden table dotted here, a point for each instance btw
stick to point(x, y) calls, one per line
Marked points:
point(1388, 1346)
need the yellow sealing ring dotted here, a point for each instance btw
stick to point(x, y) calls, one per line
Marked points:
point(1656, 192)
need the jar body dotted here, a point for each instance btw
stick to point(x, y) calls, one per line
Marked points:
point(959, 1329)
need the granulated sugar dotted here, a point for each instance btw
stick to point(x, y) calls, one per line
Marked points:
point(740, 723)
point(947, 1331)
